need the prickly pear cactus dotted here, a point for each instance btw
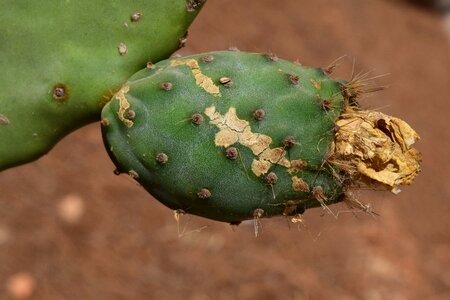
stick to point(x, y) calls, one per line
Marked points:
point(62, 60)
point(233, 136)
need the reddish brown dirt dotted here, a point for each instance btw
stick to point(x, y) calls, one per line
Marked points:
point(125, 245)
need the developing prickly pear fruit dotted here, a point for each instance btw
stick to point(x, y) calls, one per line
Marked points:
point(61, 61)
point(232, 136)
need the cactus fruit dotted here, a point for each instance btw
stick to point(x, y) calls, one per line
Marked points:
point(233, 136)
point(61, 61)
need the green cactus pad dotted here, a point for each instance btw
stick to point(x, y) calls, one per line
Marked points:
point(62, 60)
point(231, 135)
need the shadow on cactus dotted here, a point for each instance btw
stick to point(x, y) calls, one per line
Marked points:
point(233, 136)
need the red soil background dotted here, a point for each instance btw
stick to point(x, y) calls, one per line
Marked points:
point(125, 245)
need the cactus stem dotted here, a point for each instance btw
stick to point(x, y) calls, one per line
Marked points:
point(263, 169)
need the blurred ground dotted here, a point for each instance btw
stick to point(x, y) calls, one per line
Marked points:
point(70, 229)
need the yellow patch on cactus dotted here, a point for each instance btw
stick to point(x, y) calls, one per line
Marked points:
point(317, 84)
point(299, 185)
point(260, 167)
point(201, 79)
point(124, 105)
point(275, 156)
point(297, 165)
point(234, 130)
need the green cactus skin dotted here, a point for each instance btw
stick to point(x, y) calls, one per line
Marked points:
point(168, 142)
point(233, 136)
point(62, 60)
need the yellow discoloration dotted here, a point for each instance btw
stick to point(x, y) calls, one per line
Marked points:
point(201, 79)
point(124, 105)
point(226, 137)
point(211, 113)
point(232, 121)
point(260, 167)
point(275, 156)
point(234, 130)
point(297, 165)
point(299, 185)
point(255, 141)
point(317, 84)
point(377, 146)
